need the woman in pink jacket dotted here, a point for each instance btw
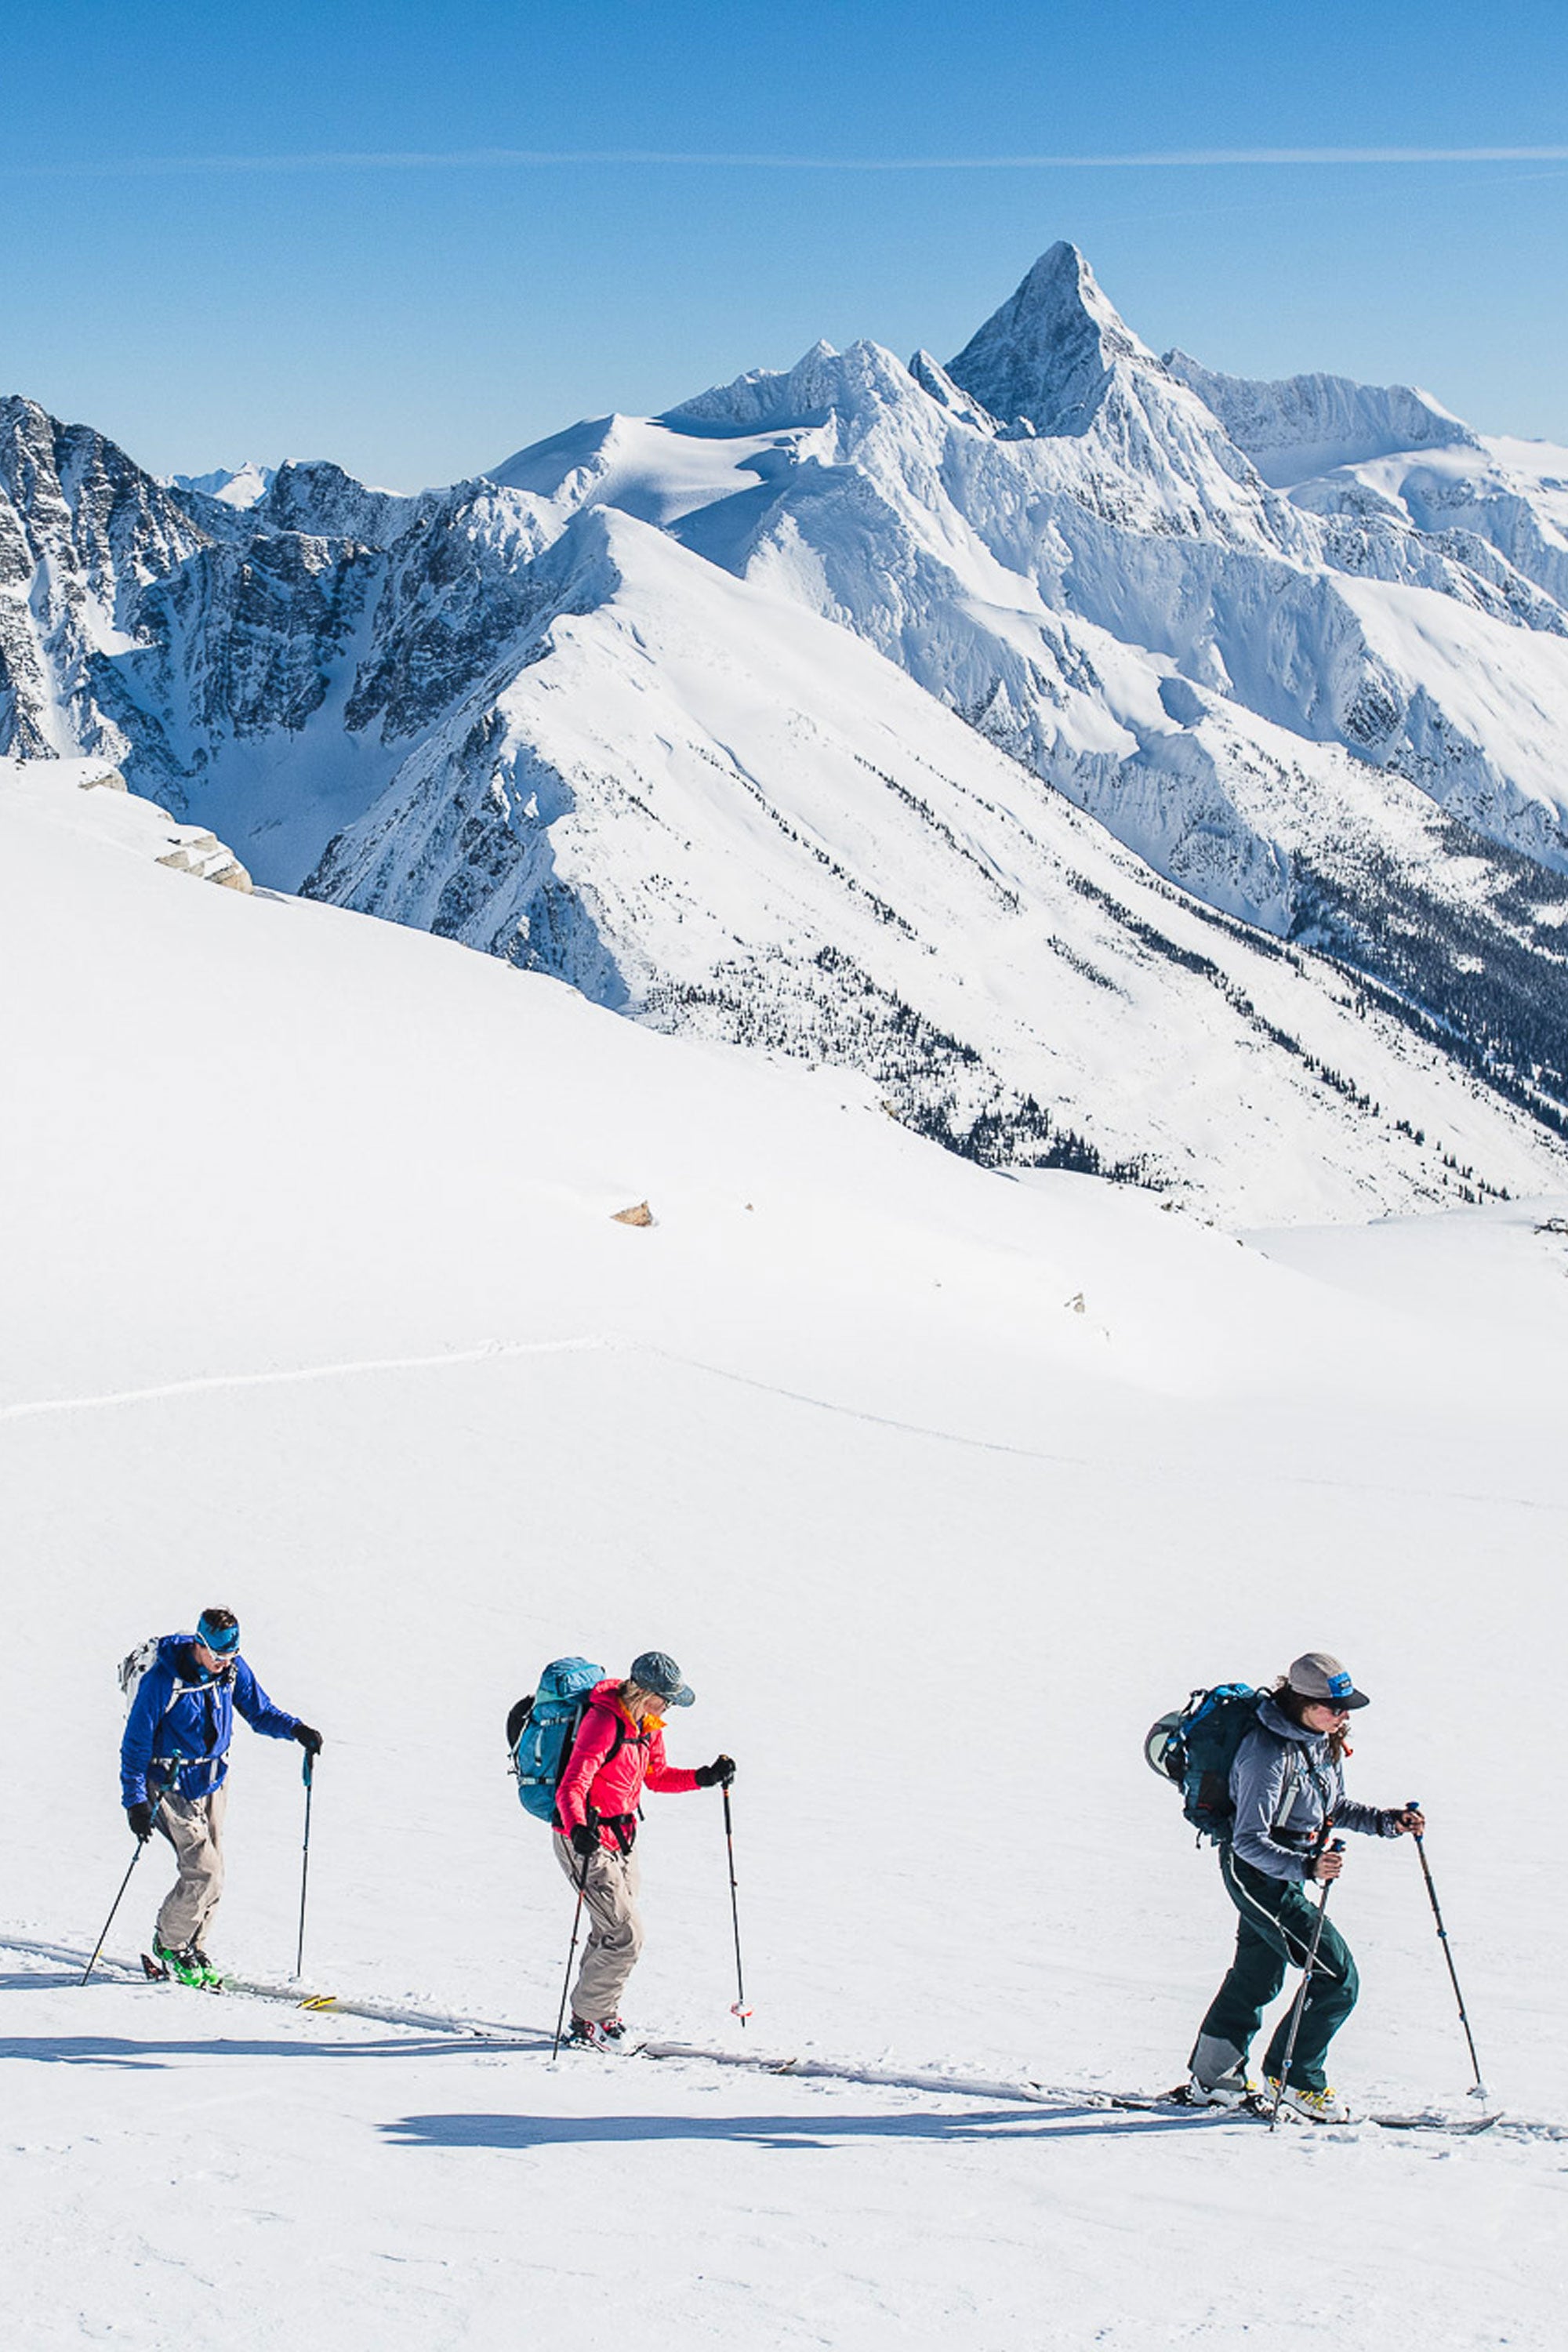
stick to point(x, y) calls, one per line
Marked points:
point(618, 1753)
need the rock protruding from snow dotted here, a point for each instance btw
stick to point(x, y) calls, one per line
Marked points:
point(191, 851)
point(123, 817)
point(1306, 424)
point(1043, 358)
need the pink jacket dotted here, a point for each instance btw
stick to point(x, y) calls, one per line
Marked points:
point(613, 1784)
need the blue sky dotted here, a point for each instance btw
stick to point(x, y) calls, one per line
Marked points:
point(219, 243)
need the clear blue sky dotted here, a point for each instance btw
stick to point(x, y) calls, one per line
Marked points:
point(201, 257)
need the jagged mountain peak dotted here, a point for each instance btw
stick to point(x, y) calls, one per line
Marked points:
point(1046, 353)
point(30, 434)
point(319, 498)
point(822, 381)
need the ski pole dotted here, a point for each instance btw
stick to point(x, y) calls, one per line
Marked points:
point(1479, 2090)
point(737, 2007)
point(1338, 1847)
point(570, 1956)
point(304, 1863)
point(121, 1896)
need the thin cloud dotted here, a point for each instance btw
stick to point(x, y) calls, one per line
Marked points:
point(540, 158)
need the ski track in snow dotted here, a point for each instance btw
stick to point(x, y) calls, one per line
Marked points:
point(1105, 1467)
point(1063, 2100)
point(448, 1361)
point(508, 1350)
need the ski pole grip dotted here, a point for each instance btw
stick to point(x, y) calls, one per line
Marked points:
point(1413, 1804)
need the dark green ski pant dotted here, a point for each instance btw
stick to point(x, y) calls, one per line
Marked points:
point(1278, 1917)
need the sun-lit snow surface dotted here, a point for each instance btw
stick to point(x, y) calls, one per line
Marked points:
point(939, 1484)
point(232, 486)
point(738, 820)
point(1303, 648)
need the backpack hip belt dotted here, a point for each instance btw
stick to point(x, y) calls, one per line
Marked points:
point(623, 1827)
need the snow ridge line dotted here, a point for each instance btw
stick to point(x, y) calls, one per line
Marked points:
point(1059, 2098)
point(1173, 1471)
point(448, 1360)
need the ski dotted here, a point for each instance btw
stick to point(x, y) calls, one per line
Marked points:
point(1462, 2127)
point(157, 1973)
point(1175, 2101)
point(1260, 2107)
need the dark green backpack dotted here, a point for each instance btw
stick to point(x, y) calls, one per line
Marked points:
point(1196, 1748)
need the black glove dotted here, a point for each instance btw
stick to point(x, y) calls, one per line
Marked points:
point(584, 1841)
point(140, 1817)
point(309, 1740)
point(717, 1775)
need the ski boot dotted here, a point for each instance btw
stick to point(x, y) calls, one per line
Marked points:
point(597, 2032)
point(1233, 2090)
point(1324, 2106)
point(186, 1963)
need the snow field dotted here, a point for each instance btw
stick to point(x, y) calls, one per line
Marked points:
point(315, 1306)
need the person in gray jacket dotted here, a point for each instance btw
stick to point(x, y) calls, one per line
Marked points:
point(1286, 1785)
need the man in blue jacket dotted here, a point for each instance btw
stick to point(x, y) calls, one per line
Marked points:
point(174, 1771)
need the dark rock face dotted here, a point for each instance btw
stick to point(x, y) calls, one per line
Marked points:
point(1046, 355)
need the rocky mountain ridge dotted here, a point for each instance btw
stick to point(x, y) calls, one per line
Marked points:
point(1330, 709)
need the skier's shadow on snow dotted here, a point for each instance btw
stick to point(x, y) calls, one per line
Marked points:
point(818, 2133)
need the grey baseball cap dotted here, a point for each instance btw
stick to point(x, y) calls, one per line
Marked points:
point(657, 1672)
point(1314, 1675)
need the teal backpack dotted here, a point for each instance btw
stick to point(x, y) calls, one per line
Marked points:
point(540, 1730)
point(1195, 1746)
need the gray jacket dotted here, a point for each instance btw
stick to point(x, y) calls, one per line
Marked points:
point(1284, 1783)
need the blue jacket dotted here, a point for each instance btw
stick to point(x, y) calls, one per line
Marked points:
point(182, 1720)
point(1284, 1783)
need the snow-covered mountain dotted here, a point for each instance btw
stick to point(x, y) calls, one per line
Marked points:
point(232, 486)
point(628, 710)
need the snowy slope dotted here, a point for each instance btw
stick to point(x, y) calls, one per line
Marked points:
point(315, 1304)
point(1336, 714)
point(708, 808)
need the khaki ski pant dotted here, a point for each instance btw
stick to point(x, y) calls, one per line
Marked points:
point(615, 1938)
point(193, 1827)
